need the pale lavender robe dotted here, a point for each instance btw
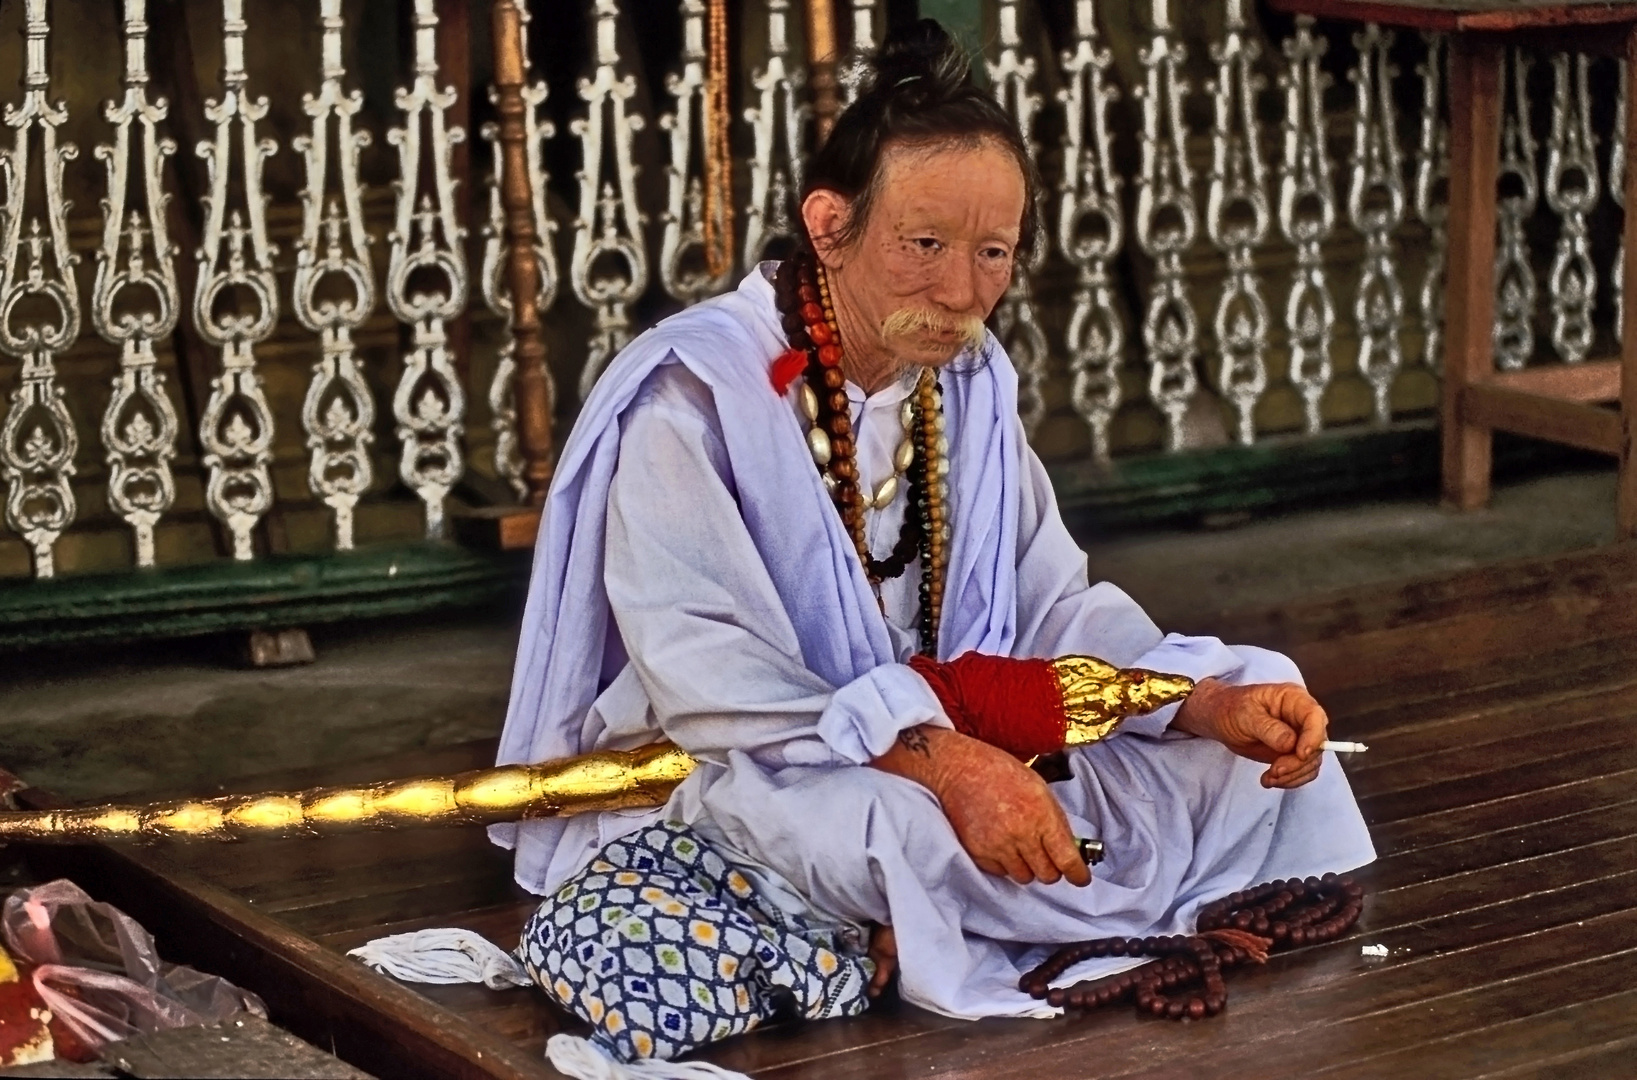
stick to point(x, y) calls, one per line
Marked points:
point(692, 580)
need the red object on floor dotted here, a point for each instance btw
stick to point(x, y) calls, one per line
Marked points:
point(29, 1033)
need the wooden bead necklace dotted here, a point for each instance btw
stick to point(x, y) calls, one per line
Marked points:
point(808, 316)
point(1238, 929)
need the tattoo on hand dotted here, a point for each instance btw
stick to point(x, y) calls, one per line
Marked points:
point(914, 741)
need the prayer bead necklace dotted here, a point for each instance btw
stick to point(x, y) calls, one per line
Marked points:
point(1238, 929)
point(808, 317)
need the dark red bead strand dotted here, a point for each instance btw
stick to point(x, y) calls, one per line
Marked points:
point(1186, 979)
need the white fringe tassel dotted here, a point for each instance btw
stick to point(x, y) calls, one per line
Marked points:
point(443, 956)
point(460, 956)
point(579, 1059)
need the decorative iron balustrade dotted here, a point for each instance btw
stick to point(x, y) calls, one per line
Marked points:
point(1246, 242)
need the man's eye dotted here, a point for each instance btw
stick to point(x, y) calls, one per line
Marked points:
point(926, 243)
point(996, 253)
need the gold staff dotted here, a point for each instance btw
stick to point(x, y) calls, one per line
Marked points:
point(1096, 697)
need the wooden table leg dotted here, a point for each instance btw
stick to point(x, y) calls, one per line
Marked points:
point(1474, 151)
point(1626, 501)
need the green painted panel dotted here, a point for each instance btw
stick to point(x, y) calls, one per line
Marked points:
point(292, 590)
point(1277, 474)
point(307, 590)
point(964, 21)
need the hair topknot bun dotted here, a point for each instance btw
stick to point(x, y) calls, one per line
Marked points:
point(915, 90)
point(921, 52)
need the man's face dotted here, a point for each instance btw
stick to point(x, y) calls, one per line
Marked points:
point(937, 249)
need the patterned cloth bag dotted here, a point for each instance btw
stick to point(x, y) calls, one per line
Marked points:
point(662, 946)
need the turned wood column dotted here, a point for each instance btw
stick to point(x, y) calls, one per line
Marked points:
point(533, 387)
point(821, 65)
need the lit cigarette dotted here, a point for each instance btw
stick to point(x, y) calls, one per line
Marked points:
point(1343, 747)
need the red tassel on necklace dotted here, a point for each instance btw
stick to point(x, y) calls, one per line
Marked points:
point(786, 367)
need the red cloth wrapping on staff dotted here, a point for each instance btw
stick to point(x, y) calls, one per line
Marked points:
point(1016, 705)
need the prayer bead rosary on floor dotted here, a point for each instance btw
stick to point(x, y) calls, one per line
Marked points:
point(1186, 980)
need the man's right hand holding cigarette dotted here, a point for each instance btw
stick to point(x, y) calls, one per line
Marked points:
point(1278, 724)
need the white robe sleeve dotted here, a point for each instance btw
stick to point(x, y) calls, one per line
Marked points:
point(1060, 612)
point(711, 643)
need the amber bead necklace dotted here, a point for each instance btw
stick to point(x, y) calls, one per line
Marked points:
point(1238, 929)
point(802, 292)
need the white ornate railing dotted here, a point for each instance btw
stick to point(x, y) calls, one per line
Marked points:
point(1237, 249)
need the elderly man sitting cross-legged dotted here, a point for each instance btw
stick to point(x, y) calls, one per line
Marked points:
point(783, 519)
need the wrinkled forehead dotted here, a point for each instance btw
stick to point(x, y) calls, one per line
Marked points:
point(973, 185)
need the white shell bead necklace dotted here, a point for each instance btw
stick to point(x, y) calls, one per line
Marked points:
point(902, 458)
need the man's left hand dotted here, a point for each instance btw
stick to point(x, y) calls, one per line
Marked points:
point(1276, 723)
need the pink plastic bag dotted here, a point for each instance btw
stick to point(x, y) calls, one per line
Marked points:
point(100, 974)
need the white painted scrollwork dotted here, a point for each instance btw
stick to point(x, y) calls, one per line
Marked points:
point(236, 272)
point(1572, 188)
point(1519, 184)
point(427, 280)
point(136, 300)
point(38, 440)
point(683, 244)
point(1236, 219)
point(536, 131)
point(776, 121)
point(1090, 229)
point(338, 412)
point(1432, 168)
point(1307, 213)
point(1167, 221)
point(1375, 206)
point(608, 269)
point(1011, 76)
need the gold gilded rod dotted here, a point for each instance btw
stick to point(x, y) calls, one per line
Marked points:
point(1096, 697)
point(607, 780)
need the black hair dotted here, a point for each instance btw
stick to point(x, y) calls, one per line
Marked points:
point(916, 90)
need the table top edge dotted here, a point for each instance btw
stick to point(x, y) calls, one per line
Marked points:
point(1457, 16)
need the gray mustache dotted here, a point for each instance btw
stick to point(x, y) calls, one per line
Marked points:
point(907, 321)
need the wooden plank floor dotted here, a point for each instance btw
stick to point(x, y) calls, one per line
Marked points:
point(1501, 788)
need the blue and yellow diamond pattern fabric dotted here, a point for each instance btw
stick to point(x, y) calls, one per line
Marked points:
point(662, 946)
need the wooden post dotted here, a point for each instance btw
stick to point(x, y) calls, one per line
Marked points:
point(821, 66)
point(533, 388)
point(1626, 499)
point(1474, 150)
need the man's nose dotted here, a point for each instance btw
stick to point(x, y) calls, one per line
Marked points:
point(957, 287)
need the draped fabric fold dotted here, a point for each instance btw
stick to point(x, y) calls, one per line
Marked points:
point(570, 651)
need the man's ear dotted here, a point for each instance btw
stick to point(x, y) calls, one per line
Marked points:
point(825, 214)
